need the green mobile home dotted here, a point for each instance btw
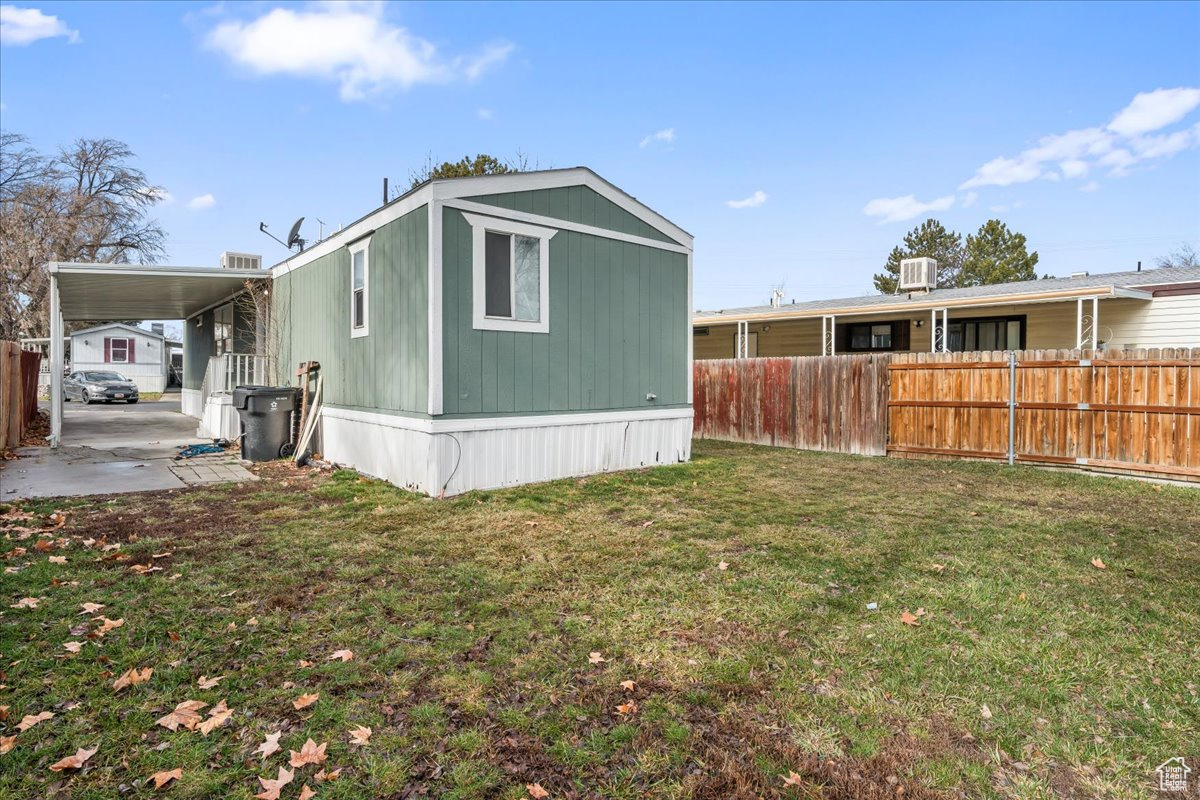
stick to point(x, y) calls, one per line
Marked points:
point(489, 331)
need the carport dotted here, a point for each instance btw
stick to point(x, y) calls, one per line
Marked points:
point(91, 292)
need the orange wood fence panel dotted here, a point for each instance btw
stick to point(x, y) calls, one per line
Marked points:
point(832, 403)
point(1135, 411)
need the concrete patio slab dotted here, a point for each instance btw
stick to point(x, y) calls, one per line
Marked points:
point(117, 449)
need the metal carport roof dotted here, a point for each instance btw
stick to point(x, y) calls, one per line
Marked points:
point(81, 292)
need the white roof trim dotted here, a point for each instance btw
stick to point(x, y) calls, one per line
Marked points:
point(457, 188)
point(1056, 296)
point(132, 328)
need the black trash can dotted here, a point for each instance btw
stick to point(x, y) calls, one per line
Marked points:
point(266, 413)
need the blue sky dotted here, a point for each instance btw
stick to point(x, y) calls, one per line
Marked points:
point(797, 142)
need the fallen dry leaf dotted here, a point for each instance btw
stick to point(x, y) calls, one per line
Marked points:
point(217, 717)
point(596, 658)
point(1098, 564)
point(985, 712)
point(58, 559)
point(26, 602)
point(332, 775)
point(360, 735)
point(305, 700)
point(184, 714)
point(74, 762)
point(341, 655)
point(627, 708)
point(792, 779)
point(90, 608)
point(3, 713)
point(724, 565)
point(270, 745)
point(938, 567)
point(536, 790)
point(208, 683)
point(252, 622)
point(132, 678)
point(73, 647)
point(272, 786)
point(29, 720)
point(628, 686)
point(44, 545)
point(304, 663)
point(909, 619)
point(108, 625)
point(306, 793)
point(144, 569)
point(310, 753)
point(161, 779)
point(7, 743)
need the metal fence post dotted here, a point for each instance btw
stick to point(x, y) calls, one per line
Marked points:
point(1012, 406)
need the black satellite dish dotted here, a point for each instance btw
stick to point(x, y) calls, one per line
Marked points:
point(293, 239)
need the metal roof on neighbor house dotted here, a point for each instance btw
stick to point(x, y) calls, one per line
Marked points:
point(1112, 284)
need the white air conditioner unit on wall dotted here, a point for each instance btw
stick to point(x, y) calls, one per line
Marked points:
point(240, 261)
point(918, 273)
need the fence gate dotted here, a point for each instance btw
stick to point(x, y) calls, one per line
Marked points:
point(1135, 411)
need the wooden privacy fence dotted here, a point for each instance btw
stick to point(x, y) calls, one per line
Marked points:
point(835, 403)
point(18, 392)
point(1136, 411)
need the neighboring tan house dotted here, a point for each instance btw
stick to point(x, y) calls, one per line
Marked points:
point(1151, 308)
point(138, 354)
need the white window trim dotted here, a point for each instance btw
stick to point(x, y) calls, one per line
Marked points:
point(112, 356)
point(480, 226)
point(361, 246)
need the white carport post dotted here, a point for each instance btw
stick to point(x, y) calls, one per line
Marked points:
point(56, 360)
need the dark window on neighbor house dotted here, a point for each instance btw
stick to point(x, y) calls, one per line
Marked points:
point(358, 288)
point(875, 337)
point(986, 333)
point(701, 331)
point(512, 277)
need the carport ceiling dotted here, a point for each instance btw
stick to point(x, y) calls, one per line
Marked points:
point(127, 291)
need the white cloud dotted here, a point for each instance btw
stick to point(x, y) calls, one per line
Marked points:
point(968, 199)
point(347, 43)
point(665, 135)
point(753, 201)
point(485, 113)
point(898, 209)
point(19, 26)
point(1125, 142)
point(204, 201)
point(1151, 111)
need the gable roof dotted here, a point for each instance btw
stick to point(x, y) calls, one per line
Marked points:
point(475, 185)
point(1138, 284)
point(111, 325)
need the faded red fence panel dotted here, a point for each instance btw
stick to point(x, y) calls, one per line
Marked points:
point(18, 392)
point(832, 403)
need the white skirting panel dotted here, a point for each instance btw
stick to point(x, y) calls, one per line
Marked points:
point(191, 402)
point(457, 456)
point(220, 420)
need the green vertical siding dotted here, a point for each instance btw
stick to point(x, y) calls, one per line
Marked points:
point(389, 368)
point(198, 347)
point(575, 204)
point(618, 329)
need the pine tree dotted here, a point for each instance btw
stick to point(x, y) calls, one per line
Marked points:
point(997, 255)
point(930, 239)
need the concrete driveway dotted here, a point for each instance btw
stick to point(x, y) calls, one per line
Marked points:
point(110, 449)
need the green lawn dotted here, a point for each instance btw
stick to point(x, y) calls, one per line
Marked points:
point(733, 591)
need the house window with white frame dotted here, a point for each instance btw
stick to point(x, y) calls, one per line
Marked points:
point(511, 274)
point(360, 288)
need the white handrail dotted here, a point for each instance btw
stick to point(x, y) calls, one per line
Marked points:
point(230, 370)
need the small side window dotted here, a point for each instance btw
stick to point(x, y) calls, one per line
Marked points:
point(360, 288)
